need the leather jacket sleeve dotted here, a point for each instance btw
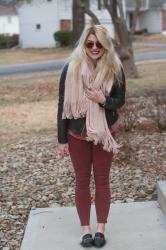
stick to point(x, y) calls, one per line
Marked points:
point(116, 98)
point(62, 124)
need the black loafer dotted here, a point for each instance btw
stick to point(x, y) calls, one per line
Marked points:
point(99, 240)
point(87, 240)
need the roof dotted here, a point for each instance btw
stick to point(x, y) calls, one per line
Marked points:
point(145, 4)
point(8, 10)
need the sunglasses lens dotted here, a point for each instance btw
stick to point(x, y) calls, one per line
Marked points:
point(90, 45)
point(99, 45)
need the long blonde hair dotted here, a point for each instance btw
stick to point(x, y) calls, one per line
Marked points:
point(109, 59)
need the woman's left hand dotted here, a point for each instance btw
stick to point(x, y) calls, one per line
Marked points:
point(95, 95)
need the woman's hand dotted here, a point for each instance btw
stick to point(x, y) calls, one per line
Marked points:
point(95, 95)
point(63, 149)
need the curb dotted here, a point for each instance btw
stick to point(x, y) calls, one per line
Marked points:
point(161, 194)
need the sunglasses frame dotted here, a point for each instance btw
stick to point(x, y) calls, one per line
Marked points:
point(90, 44)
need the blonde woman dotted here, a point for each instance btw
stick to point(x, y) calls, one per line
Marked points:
point(92, 88)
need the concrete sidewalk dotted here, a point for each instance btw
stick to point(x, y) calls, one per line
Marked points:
point(131, 226)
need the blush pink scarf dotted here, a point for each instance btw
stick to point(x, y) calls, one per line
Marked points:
point(77, 105)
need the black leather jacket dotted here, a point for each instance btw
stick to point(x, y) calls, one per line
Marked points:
point(115, 100)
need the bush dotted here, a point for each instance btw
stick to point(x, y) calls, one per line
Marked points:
point(7, 41)
point(63, 38)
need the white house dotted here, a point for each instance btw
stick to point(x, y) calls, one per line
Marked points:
point(41, 18)
point(9, 22)
point(150, 16)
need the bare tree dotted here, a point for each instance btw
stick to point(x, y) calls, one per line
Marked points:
point(135, 16)
point(78, 20)
point(79, 8)
point(85, 6)
point(124, 40)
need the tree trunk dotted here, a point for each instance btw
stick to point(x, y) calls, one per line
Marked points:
point(125, 49)
point(78, 21)
point(135, 16)
point(130, 67)
point(124, 43)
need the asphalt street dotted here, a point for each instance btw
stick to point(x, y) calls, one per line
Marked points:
point(56, 65)
point(31, 67)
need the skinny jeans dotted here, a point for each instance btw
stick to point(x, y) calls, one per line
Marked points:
point(86, 156)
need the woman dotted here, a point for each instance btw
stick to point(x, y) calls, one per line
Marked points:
point(92, 88)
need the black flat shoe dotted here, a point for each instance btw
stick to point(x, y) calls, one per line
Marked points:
point(87, 240)
point(99, 240)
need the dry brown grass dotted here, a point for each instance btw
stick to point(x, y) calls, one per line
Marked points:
point(28, 103)
point(152, 79)
point(148, 49)
point(149, 38)
point(19, 56)
point(28, 87)
point(158, 38)
point(27, 119)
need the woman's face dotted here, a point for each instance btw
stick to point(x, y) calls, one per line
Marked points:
point(93, 48)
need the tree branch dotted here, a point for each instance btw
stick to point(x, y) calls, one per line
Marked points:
point(108, 7)
point(88, 11)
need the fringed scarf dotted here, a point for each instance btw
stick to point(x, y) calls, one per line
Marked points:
point(77, 105)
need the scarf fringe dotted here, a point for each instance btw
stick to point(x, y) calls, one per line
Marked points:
point(108, 142)
point(74, 110)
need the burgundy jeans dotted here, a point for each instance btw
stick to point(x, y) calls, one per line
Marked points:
point(84, 155)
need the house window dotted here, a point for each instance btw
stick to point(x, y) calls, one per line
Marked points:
point(9, 19)
point(130, 20)
point(38, 26)
point(100, 4)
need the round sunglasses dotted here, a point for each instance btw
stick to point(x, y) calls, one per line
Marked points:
point(90, 45)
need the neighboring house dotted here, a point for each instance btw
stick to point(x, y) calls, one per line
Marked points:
point(150, 17)
point(9, 22)
point(40, 19)
point(164, 19)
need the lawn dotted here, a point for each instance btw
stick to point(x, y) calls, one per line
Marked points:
point(28, 103)
point(157, 38)
point(19, 56)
